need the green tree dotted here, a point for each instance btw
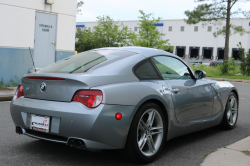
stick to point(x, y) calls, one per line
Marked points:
point(85, 40)
point(245, 60)
point(149, 36)
point(78, 6)
point(218, 10)
point(109, 33)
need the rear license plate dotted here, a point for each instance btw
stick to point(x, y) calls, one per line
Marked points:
point(40, 123)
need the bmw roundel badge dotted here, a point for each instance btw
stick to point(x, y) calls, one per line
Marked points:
point(43, 87)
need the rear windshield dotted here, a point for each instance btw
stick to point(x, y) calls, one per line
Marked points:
point(82, 62)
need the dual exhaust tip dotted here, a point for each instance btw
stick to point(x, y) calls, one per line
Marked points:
point(75, 143)
point(19, 130)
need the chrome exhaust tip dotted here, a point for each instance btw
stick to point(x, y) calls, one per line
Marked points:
point(71, 143)
point(19, 130)
point(76, 143)
point(79, 144)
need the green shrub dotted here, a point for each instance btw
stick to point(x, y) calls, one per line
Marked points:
point(2, 84)
point(202, 67)
point(232, 65)
point(219, 68)
point(13, 83)
point(217, 71)
point(6, 86)
point(245, 60)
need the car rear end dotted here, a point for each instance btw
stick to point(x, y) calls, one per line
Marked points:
point(60, 104)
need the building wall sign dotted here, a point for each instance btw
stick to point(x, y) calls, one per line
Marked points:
point(50, 2)
point(45, 27)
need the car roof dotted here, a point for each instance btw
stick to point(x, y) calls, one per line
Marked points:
point(137, 50)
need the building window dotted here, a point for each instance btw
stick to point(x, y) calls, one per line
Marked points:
point(170, 28)
point(182, 28)
point(135, 29)
point(209, 28)
point(240, 27)
point(224, 27)
point(196, 28)
point(89, 28)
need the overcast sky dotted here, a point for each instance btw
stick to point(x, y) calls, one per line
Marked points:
point(129, 9)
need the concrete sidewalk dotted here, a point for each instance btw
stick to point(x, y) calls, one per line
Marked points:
point(232, 155)
point(7, 95)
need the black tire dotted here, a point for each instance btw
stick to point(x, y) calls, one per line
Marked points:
point(132, 151)
point(225, 124)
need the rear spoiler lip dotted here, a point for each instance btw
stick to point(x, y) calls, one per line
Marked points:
point(76, 77)
point(45, 78)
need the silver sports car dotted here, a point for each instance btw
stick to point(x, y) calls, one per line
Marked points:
point(128, 98)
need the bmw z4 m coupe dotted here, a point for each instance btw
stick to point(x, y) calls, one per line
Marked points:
point(128, 98)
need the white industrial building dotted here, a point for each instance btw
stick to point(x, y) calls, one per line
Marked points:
point(47, 27)
point(195, 42)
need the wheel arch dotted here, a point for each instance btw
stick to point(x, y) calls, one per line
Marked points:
point(161, 105)
point(160, 102)
point(236, 93)
point(157, 101)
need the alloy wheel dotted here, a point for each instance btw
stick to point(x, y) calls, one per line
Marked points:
point(150, 132)
point(232, 111)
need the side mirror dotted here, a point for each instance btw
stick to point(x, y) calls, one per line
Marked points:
point(198, 74)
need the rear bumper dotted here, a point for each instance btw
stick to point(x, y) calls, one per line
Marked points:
point(97, 127)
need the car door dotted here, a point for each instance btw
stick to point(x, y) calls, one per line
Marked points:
point(192, 98)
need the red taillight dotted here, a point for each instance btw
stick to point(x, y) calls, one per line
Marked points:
point(90, 98)
point(19, 91)
point(45, 78)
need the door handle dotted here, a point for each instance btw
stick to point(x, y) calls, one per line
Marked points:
point(175, 90)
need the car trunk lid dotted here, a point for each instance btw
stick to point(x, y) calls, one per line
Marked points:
point(52, 88)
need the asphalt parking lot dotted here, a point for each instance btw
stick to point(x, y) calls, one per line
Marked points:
point(186, 150)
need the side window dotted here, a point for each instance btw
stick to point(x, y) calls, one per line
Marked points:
point(171, 68)
point(145, 71)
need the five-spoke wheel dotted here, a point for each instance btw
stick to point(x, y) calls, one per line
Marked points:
point(150, 132)
point(147, 134)
point(231, 112)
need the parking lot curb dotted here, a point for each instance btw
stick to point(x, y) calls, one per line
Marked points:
point(6, 98)
point(7, 94)
point(234, 154)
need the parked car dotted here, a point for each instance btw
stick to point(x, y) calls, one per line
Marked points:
point(128, 98)
point(215, 63)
